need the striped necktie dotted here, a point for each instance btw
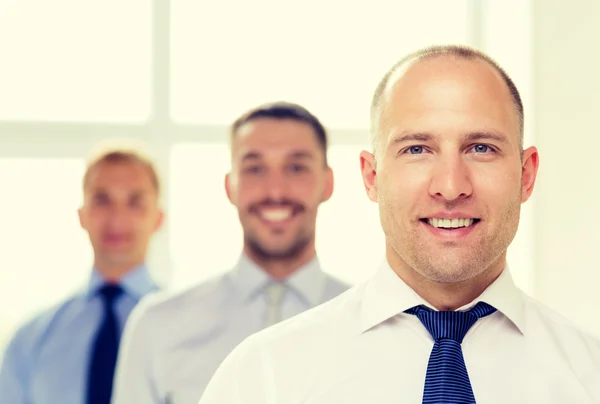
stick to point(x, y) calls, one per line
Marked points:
point(447, 380)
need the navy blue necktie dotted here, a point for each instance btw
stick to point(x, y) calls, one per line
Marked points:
point(104, 350)
point(447, 380)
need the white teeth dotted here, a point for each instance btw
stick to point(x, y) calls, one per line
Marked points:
point(450, 223)
point(276, 215)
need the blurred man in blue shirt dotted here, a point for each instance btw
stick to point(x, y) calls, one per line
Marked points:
point(67, 354)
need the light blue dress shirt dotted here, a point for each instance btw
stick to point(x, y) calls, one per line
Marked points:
point(174, 342)
point(46, 362)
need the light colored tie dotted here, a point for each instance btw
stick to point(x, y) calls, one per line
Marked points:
point(274, 293)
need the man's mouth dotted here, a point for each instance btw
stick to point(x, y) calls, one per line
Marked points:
point(450, 224)
point(116, 238)
point(276, 215)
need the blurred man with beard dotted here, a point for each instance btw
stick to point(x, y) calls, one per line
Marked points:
point(278, 179)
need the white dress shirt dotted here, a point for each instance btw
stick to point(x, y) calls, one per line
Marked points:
point(174, 342)
point(361, 348)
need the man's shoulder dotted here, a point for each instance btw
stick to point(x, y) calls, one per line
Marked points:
point(328, 322)
point(556, 321)
point(168, 304)
point(39, 325)
point(579, 347)
point(334, 285)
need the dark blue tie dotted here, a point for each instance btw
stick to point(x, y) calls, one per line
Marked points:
point(104, 350)
point(447, 380)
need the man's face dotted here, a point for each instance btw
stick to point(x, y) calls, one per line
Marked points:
point(449, 177)
point(277, 182)
point(120, 212)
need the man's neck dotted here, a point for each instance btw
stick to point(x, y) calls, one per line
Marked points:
point(114, 272)
point(278, 268)
point(447, 296)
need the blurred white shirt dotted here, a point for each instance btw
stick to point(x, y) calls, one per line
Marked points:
point(361, 348)
point(173, 342)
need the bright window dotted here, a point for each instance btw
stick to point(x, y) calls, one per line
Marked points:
point(206, 237)
point(350, 242)
point(230, 55)
point(71, 60)
point(45, 253)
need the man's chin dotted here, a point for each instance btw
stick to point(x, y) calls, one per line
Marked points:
point(119, 257)
point(277, 251)
point(450, 271)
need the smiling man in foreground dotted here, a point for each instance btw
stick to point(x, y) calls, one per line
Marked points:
point(279, 177)
point(441, 321)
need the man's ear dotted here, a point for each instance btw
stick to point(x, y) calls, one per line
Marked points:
point(329, 184)
point(160, 219)
point(81, 218)
point(229, 186)
point(369, 174)
point(531, 162)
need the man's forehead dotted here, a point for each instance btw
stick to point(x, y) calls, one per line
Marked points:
point(275, 131)
point(119, 175)
point(275, 137)
point(449, 86)
point(421, 73)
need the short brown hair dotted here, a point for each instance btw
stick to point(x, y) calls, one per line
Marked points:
point(122, 155)
point(458, 52)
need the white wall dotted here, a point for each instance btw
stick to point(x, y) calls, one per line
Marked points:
point(566, 108)
point(512, 49)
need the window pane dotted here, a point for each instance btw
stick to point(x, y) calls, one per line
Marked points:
point(206, 237)
point(45, 253)
point(327, 55)
point(350, 241)
point(74, 60)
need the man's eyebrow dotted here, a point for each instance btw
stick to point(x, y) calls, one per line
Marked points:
point(486, 135)
point(473, 136)
point(301, 155)
point(253, 155)
point(100, 191)
point(412, 136)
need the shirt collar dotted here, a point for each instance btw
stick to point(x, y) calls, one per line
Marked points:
point(504, 295)
point(137, 282)
point(308, 282)
point(387, 295)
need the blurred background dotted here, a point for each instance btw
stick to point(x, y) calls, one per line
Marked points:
point(174, 74)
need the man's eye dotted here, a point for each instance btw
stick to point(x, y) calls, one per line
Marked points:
point(482, 148)
point(253, 169)
point(101, 199)
point(297, 168)
point(416, 150)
